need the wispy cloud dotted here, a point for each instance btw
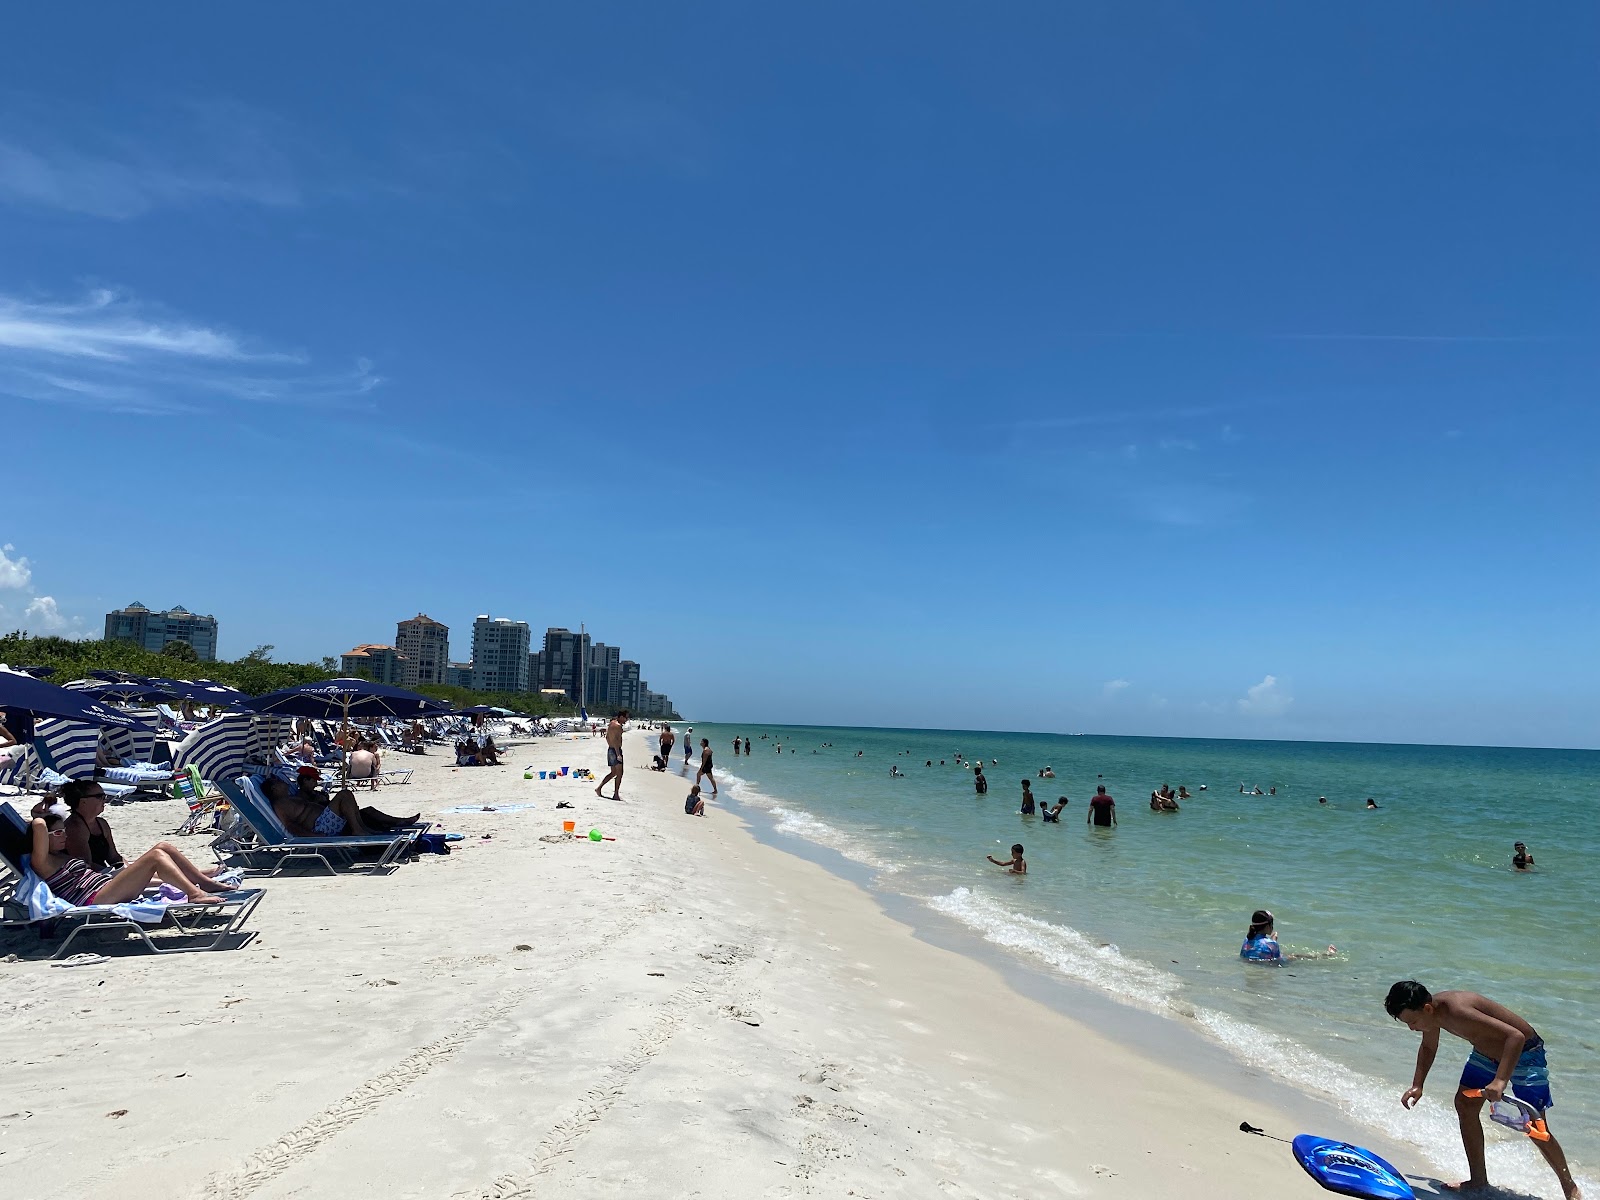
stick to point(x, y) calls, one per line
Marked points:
point(114, 354)
point(1113, 686)
point(197, 153)
point(15, 574)
point(1269, 698)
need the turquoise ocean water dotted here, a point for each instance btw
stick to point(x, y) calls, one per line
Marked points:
point(1153, 912)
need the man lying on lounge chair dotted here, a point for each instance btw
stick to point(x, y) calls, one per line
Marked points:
point(306, 815)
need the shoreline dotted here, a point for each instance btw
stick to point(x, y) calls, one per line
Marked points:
point(695, 1013)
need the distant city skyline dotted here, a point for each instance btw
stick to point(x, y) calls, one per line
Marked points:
point(1059, 367)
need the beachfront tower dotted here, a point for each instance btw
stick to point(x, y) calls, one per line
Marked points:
point(425, 645)
point(153, 630)
point(381, 664)
point(605, 664)
point(564, 662)
point(500, 655)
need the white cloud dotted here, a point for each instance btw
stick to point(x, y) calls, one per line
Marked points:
point(43, 615)
point(1113, 686)
point(115, 354)
point(40, 614)
point(14, 572)
point(1268, 698)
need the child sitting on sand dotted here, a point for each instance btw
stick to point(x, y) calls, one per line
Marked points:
point(1506, 1052)
point(1017, 866)
point(694, 804)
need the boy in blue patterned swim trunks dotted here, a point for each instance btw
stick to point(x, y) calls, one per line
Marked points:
point(1506, 1052)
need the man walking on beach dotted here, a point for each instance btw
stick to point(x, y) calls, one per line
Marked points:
point(688, 744)
point(1507, 1052)
point(667, 738)
point(1102, 809)
point(613, 755)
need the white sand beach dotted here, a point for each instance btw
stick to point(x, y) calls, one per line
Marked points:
point(681, 1012)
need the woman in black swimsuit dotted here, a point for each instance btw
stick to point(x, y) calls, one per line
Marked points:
point(89, 835)
point(705, 766)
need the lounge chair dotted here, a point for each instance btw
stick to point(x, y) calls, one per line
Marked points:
point(28, 902)
point(271, 838)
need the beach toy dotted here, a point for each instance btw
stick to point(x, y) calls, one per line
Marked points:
point(564, 770)
point(1350, 1170)
point(568, 826)
point(527, 774)
point(1343, 1168)
point(594, 835)
point(1514, 1114)
point(541, 774)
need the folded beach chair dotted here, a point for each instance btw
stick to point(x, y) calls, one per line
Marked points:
point(268, 837)
point(28, 902)
point(205, 804)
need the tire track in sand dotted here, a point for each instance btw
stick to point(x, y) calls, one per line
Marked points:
point(272, 1160)
point(563, 1137)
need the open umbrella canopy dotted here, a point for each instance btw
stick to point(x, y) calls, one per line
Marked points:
point(347, 698)
point(25, 694)
point(477, 710)
point(133, 689)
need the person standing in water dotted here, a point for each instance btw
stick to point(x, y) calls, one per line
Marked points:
point(1102, 809)
point(978, 781)
point(666, 740)
point(1027, 798)
point(705, 766)
point(747, 747)
point(1017, 865)
point(1521, 860)
point(688, 744)
point(736, 747)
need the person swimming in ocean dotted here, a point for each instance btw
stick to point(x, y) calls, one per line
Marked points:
point(1053, 814)
point(1521, 860)
point(1371, 803)
point(1017, 865)
point(1261, 942)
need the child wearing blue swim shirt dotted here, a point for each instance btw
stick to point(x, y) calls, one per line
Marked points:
point(1261, 942)
point(1506, 1052)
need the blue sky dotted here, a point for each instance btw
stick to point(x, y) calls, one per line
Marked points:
point(1118, 368)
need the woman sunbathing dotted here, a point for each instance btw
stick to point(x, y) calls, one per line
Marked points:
point(74, 880)
point(489, 753)
point(89, 833)
point(340, 817)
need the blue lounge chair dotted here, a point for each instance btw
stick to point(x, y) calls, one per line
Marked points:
point(191, 920)
point(271, 838)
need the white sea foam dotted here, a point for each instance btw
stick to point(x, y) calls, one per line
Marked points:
point(1431, 1126)
point(801, 824)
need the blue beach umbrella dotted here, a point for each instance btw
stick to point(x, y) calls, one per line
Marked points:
point(24, 694)
point(346, 698)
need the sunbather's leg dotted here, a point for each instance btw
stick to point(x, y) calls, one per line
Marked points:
point(383, 822)
point(150, 866)
point(345, 805)
point(195, 875)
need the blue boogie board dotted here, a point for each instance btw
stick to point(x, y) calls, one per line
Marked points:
point(1341, 1167)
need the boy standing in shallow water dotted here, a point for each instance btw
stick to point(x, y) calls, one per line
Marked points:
point(1017, 866)
point(1506, 1051)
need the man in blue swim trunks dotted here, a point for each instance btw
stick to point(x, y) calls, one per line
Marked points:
point(1506, 1052)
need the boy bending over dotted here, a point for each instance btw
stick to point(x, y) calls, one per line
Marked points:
point(1506, 1051)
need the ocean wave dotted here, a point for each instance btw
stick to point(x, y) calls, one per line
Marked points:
point(798, 823)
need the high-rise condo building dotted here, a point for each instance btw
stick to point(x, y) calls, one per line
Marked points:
point(564, 661)
point(153, 630)
point(627, 685)
point(425, 645)
point(604, 665)
point(500, 655)
point(381, 664)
